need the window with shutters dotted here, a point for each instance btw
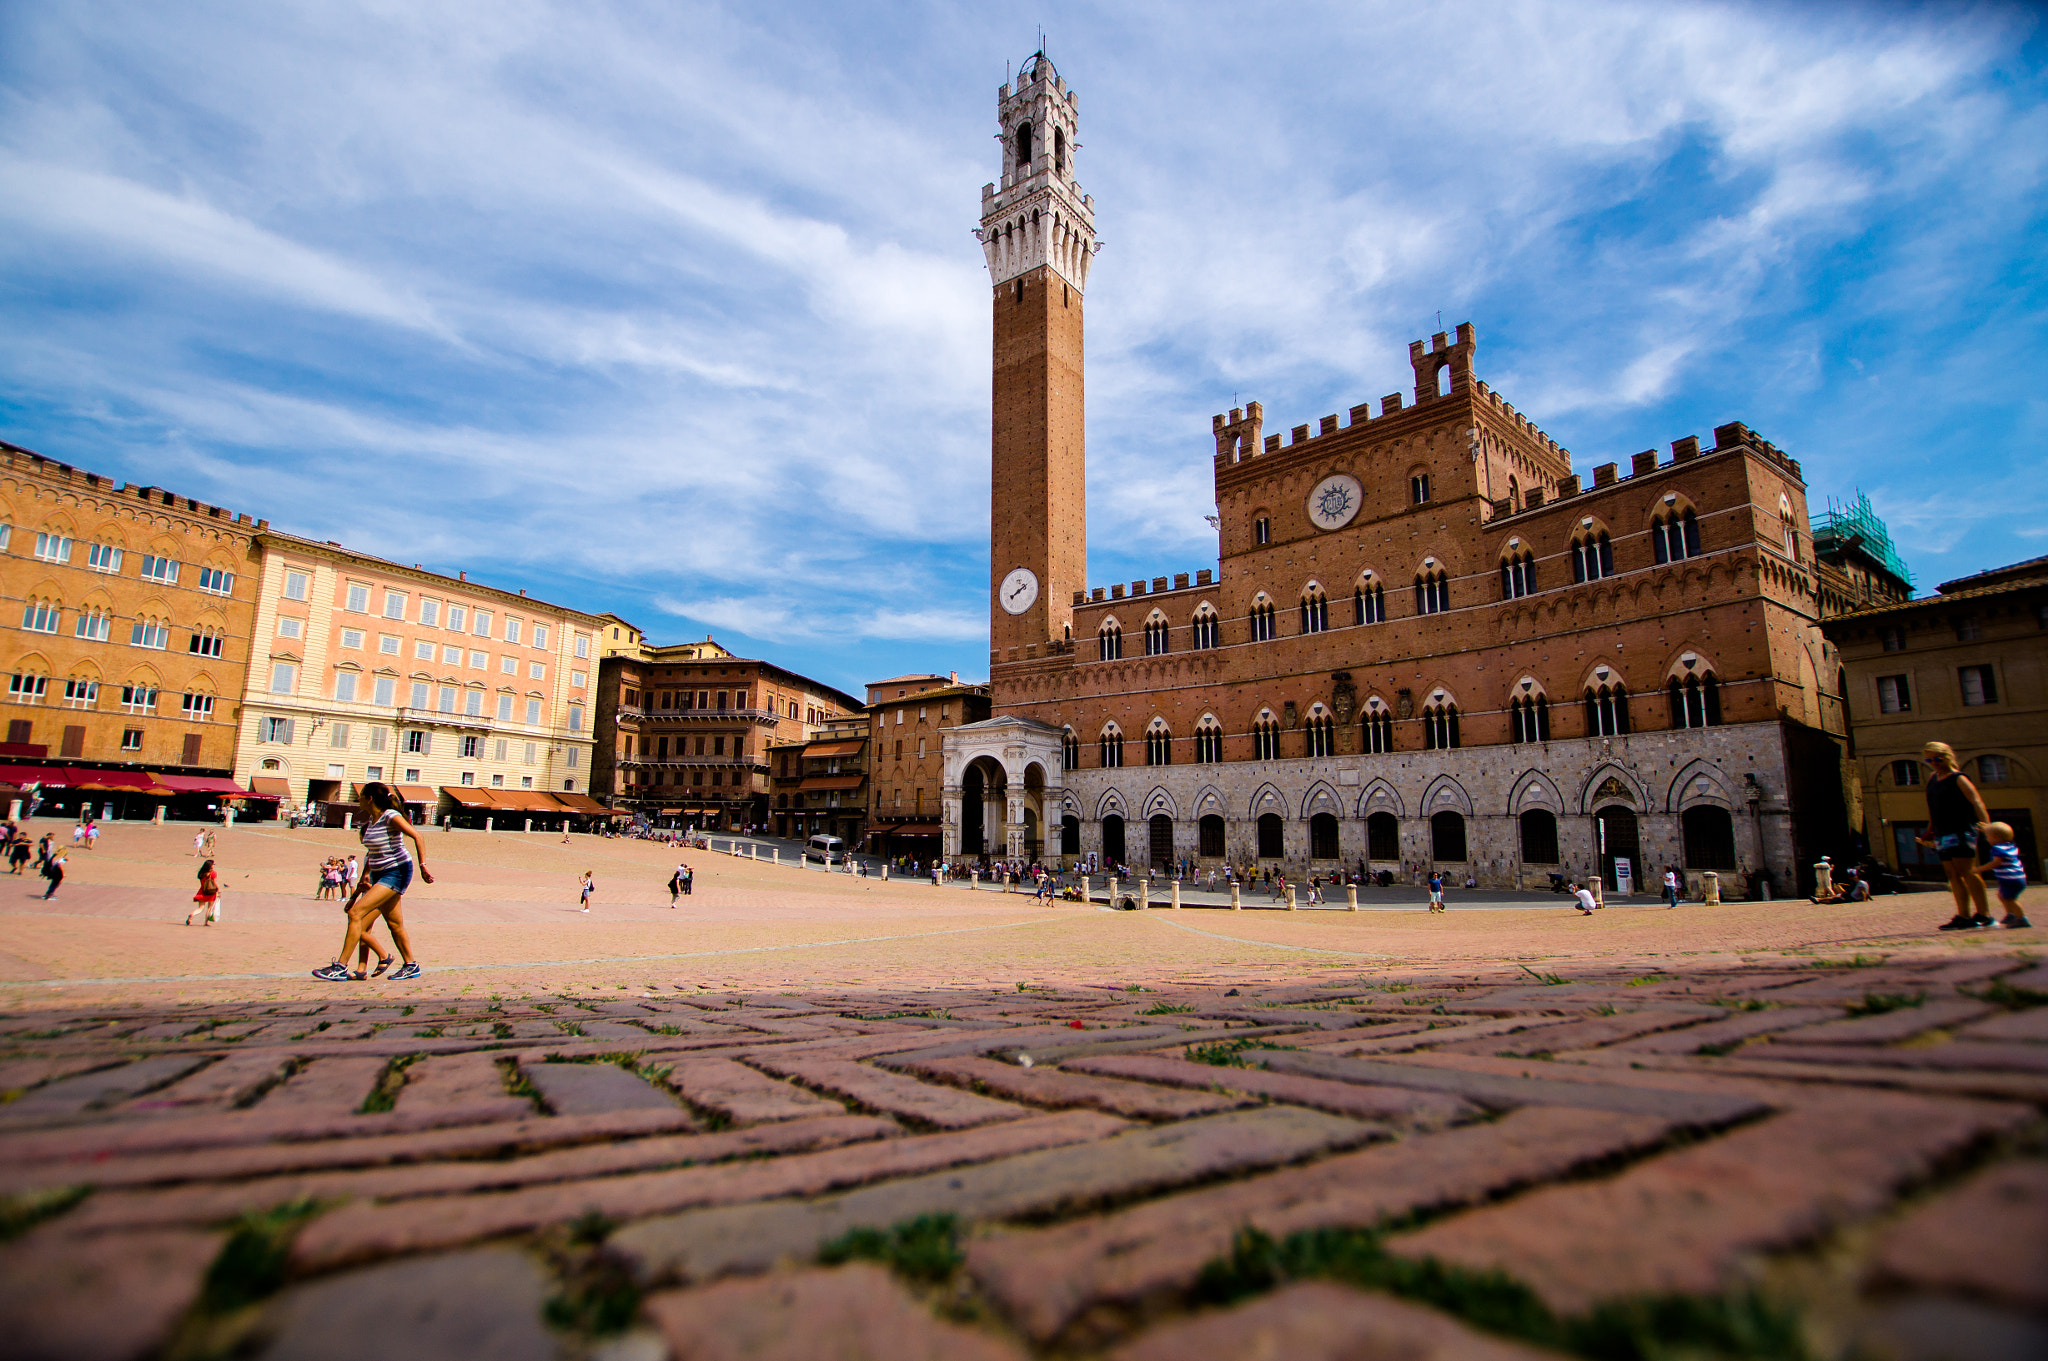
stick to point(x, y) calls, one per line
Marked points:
point(1894, 695)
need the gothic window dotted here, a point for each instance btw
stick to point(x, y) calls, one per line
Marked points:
point(1208, 742)
point(1592, 556)
point(1432, 591)
point(1262, 620)
point(1155, 636)
point(1379, 730)
point(1112, 747)
point(1322, 734)
point(1158, 744)
point(1023, 149)
point(1518, 575)
point(1369, 602)
point(1262, 530)
point(1695, 701)
point(1440, 726)
point(1675, 536)
point(1315, 610)
point(1059, 151)
point(1791, 533)
point(1529, 719)
point(1070, 751)
point(1265, 739)
point(1607, 710)
point(1418, 488)
point(1110, 639)
point(1208, 634)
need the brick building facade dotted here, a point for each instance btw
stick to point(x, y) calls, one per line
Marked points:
point(1426, 641)
point(127, 614)
point(909, 717)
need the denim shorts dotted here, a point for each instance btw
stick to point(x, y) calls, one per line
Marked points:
point(1956, 846)
point(398, 878)
point(2009, 890)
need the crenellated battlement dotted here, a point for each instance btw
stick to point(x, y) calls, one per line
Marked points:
point(50, 469)
point(1203, 580)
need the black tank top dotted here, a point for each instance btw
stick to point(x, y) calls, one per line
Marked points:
point(1948, 812)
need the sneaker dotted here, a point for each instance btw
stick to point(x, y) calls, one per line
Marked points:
point(1958, 923)
point(405, 971)
point(2015, 921)
point(1981, 919)
point(333, 973)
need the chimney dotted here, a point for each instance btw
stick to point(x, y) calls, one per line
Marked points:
point(462, 576)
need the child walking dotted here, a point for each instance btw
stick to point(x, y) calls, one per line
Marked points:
point(2010, 873)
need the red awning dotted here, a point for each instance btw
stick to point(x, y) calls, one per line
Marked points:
point(416, 793)
point(203, 784)
point(581, 803)
point(117, 782)
point(820, 750)
point(909, 829)
point(829, 782)
point(27, 775)
point(269, 787)
point(469, 796)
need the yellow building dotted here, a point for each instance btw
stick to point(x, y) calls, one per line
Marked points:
point(128, 614)
point(472, 700)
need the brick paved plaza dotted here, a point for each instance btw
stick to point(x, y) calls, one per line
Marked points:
point(808, 1116)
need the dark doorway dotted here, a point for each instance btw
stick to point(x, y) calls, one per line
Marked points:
point(1617, 837)
point(1709, 838)
point(1539, 837)
point(1382, 837)
point(1212, 836)
point(1447, 838)
point(1322, 837)
point(1070, 835)
point(1272, 841)
point(971, 795)
point(1161, 830)
point(1113, 840)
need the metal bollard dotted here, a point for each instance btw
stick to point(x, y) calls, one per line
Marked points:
point(1350, 897)
point(1176, 895)
point(1235, 905)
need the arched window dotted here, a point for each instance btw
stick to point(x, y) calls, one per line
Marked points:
point(1023, 149)
point(83, 692)
point(1539, 837)
point(1382, 837)
point(1315, 610)
point(95, 624)
point(1158, 744)
point(1369, 601)
point(1440, 726)
point(1447, 837)
point(1607, 710)
point(1112, 742)
point(1272, 838)
point(1322, 836)
point(1262, 620)
point(1432, 591)
point(1208, 742)
point(1110, 640)
point(1059, 151)
point(1695, 701)
point(40, 616)
point(1529, 719)
point(1070, 751)
point(1790, 531)
point(1518, 575)
point(1675, 536)
point(1265, 739)
point(1208, 633)
point(1592, 556)
point(1378, 728)
point(1155, 635)
point(1211, 831)
point(1514, 496)
point(1322, 733)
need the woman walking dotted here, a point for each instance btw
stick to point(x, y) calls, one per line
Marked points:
point(589, 887)
point(208, 897)
point(387, 873)
point(1956, 816)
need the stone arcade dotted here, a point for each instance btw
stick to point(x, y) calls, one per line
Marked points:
point(1425, 642)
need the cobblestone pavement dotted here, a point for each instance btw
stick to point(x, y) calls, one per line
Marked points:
point(895, 1126)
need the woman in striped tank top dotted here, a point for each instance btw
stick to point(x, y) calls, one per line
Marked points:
point(387, 873)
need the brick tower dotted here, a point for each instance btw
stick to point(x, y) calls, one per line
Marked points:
point(1038, 230)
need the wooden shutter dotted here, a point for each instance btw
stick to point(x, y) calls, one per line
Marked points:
point(191, 756)
point(74, 740)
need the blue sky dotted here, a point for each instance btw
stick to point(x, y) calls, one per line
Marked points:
point(673, 309)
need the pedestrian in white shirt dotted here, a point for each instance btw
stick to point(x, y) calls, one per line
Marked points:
point(1585, 899)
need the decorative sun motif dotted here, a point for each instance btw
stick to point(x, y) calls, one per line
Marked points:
point(1335, 501)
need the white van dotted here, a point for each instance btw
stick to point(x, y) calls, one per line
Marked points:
point(830, 849)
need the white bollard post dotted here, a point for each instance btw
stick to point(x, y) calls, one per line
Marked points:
point(1235, 905)
point(529, 824)
point(885, 871)
point(1112, 890)
point(1350, 897)
point(1176, 895)
point(1290, 897)
point(775, 855)
point(974, 878)
point(1710, 889)
point(488, 823)
point(1144, 895)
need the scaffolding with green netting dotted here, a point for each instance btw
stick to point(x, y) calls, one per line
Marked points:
point(1856, 524)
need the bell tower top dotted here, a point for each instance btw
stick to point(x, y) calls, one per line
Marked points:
point(1037, 215)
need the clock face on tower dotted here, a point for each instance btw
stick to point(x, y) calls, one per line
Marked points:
point(1334, 501)
point(1019, 591)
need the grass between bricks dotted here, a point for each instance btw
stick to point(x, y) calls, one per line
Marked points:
point(2003, 994)
point(598, 1296)
point(925, 1249)
point(1643, 1328)
point(1230, 1053)
point(384, 1095)
point(1878, 1003)
point(251, 1264)
point(24, 1210)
